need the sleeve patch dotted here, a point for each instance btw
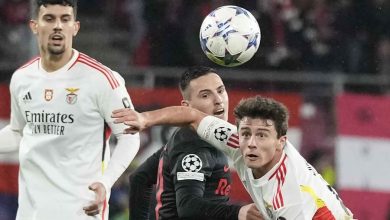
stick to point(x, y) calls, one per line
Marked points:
point(190, 176)
point(191, 163)
point(221, 133)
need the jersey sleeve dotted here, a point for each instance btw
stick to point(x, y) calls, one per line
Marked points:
point(9, 140)
point(17, 121)
point(190, 173)
point(11, 135)
point(141, 186)
point(196, 165)
point(127, 144)
point(220, 134)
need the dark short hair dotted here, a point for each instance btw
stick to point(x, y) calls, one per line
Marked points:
point(39, 3)
point(193, 73)
point(264, 108)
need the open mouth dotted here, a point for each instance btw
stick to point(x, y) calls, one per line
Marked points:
point(57, 39)
point(252, 156)
point(219, 112)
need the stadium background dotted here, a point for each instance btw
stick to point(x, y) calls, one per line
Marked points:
point(328, 60)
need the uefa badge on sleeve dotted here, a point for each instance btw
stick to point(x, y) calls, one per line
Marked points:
point(191, 163)
point(221, 133)
point(71, 97)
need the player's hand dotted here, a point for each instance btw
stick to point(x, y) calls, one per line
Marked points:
point(249, 212)
point(100, 196)
point(132, 118)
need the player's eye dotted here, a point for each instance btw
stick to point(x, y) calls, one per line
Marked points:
point(204, 95)
point(221, 91)
point(261, 135)
point(245, 134)
point(65, 19)
point(48, 18)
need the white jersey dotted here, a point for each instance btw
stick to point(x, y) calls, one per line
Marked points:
point(292, 189)
point(65, 119)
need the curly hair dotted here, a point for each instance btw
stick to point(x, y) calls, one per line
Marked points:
point(264, 108)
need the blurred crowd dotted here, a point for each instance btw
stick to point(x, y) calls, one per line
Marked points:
point(351, 36)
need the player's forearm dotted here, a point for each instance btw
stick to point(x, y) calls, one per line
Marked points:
point(140, 196)
point(9, 140)
point(174, 115)
point(190, 205)
point(124, 152)
point(141, 183)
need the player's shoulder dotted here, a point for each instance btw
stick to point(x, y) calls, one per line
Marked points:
point(97, 71)
point(186, 140)
point(22, 73)
point(187, 136)
point(295, 158)
point(27, 66)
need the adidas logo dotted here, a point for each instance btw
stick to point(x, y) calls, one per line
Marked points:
point(27, 97)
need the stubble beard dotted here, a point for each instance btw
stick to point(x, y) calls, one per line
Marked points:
point(56, 50)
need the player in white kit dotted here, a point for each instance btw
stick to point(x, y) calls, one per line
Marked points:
point(61, 103)
point(279, 180)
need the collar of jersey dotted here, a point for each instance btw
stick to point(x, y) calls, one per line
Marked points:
point(63, 69)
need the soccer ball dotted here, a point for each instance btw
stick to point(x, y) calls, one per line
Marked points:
point(230, 36)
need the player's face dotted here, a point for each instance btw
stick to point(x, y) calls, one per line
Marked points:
point(259, 144)
point(55, 28)
point(208, 94)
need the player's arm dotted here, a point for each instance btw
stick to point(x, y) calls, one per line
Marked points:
point(190, 188)
point(141, 186)
point(127, 144)
point(190, 203)
point(217, 132)
point(9, 139)
point(11, 134)
point(173, 115)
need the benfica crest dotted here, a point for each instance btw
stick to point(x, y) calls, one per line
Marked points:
point(48, 94)
point(71, 97)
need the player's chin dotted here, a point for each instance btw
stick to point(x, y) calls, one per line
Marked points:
point(56, 50)
point(252, 162)
point(222, 116)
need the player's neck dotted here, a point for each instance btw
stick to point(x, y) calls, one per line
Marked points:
point(261, 171)
point(51, 62)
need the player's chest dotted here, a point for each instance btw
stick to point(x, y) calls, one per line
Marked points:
point(57, 96)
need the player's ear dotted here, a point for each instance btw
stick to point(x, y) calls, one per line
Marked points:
point(34, 26)
point(76, 28)
point(282, 141)
point(184, 103)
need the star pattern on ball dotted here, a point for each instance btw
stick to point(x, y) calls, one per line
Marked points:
point(241, 11)
point(253, 42)
point(229, 59)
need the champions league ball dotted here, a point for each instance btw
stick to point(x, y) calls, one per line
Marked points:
point(230, 36)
